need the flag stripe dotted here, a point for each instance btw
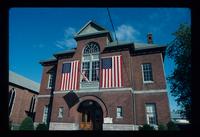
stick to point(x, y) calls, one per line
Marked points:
point(113, 76)
point(120, 81)
point(112, 72)
point(70, 76)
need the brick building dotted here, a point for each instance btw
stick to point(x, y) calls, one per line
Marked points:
point(22, 98)
point(103, 84)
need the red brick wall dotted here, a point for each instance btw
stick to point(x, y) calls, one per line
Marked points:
point(157, 69)
point(44, 81)
point(132, 77)
point(40, 108)
point(21, 104)
point(162, 108)
point(120, 98)
point(81, 44)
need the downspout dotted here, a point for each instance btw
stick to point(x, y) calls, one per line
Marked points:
point(132, 92)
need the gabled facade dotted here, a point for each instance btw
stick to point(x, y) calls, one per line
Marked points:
point(117, 85)
point(22, 100)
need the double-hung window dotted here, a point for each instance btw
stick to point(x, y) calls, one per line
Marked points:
point(45, 114)
point(50, 81)
point(151, 114)
point(147, 73)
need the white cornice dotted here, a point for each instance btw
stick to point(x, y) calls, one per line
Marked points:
point(109, 90)
point(149, 91)
point(43, 96)
point(95, 90)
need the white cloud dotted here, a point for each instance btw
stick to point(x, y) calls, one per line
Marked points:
point(68, 41)
point(127, 33)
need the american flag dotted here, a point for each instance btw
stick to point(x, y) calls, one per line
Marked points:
point(69, 76)
point(112, 72)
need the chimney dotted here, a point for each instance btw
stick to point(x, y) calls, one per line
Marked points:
point(149, 38)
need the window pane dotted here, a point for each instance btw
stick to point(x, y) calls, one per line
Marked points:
point(45, 114)
point(151, 113)
point(92, 47)
point(60, 112)
point(119, 111)
point(147, 72)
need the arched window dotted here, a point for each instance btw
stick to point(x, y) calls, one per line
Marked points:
point(90, 63)
point(32, 105)
point(12, 95)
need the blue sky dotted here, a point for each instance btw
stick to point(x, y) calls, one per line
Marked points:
point(37, 33)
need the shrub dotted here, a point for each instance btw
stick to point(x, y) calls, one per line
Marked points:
point(162, 127)
point(146, 127)
point(42, 127)
point(10, 125)
point(172, 126)
point(27, 124)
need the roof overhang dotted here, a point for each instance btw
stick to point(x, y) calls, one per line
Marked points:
point(94, 35)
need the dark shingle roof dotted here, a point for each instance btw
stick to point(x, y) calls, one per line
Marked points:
point(23, 82)
point(119, 43)
point(64, 52)
point(48, 60)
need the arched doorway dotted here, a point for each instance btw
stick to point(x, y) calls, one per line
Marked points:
point(92, 115)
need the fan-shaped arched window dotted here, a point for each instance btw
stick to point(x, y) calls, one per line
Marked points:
point(90, 63)
point(91, 48)
point(12, 95)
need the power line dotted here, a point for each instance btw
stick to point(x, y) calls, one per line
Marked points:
point(112, 24)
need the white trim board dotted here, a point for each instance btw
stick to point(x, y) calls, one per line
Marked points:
point(95, 90)
point(111, 90)
point(149, 91)
point(42, 96)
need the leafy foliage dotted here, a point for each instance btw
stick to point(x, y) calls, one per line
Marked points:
point(146, 127)
point(172, 126)
point(42, 127)
point(27, 124)
point(162, 127)
point(180, 80)
point(10, 125)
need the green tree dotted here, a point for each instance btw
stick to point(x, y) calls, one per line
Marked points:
point(172, 126)
point(162, 127)
point(27, 124)
point(42, 127)
point(146, 127)
point(179, 50)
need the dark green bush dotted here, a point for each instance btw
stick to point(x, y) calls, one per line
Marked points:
point(42, 127)
point(162, 127)
point(172, 126)
point(10, 125)
point(146, 127)
point(27, 124)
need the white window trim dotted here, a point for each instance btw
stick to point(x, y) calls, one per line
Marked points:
point(48, 87)
point(60, 116)
point(46, 106)
point(33, 105)
point(13, 101)
point(147, 120)
point(90, 62)
point(119, 117)
point(146, 82)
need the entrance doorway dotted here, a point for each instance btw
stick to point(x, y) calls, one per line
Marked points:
point(92, 115)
